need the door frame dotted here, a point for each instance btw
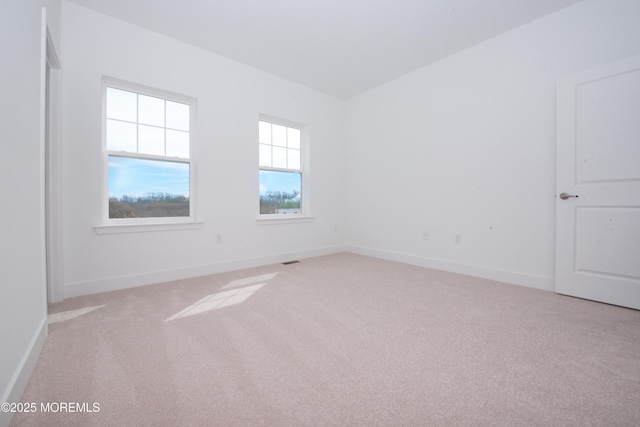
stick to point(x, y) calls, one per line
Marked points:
point(50, 164)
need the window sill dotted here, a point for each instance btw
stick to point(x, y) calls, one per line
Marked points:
point(282, 219)
point(142, 228)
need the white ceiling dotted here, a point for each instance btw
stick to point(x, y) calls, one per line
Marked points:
point(341, 47)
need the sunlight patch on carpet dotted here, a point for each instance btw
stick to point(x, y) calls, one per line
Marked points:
point(218, 300)
point(250, 280)
point(241, 290)
point(71, 314)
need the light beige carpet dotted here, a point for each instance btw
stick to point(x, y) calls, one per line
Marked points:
point(338, 340)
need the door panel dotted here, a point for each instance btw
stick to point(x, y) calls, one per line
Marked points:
point(598, 160)
point(607, 127)
point(600, 229)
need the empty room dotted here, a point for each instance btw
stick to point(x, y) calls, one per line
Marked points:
point(293, 213)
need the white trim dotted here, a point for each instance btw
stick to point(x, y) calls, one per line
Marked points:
point(305, 167)
point(272, 169)
point(42, 157)
point(112, 228)
point(280, 121)
point(148, 90)
point(282, 219)
point(44, 44)
point(511, 277)
point(125, 282)
point(52, 54)
point(168, 96)
point(21, 375)
point(53, 177)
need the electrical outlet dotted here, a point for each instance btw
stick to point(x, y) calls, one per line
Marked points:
point(457, 239)
point(425, 235)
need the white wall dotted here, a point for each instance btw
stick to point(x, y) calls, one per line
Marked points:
point(230, 96)
point(467, 146)
point(23, 288)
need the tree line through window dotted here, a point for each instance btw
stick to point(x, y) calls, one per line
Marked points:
point(148, 154)
point(280, 169)
point(148, 157)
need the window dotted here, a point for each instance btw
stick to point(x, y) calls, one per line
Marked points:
point(283, 173)
point(148, 155)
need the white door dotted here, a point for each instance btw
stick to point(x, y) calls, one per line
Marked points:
point(598, 162)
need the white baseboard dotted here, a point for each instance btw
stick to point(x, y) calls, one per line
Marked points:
point(115, 283)
point(522, 279)
point(21, 376)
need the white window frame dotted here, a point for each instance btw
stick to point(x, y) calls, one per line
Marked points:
point(120, 225)
point(305, 206)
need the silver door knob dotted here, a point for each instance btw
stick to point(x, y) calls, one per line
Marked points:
point(565, 196)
